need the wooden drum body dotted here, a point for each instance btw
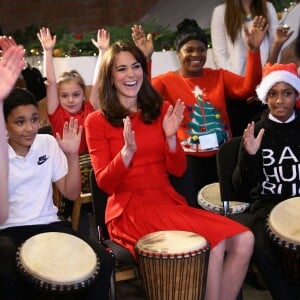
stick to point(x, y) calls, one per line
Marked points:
point(283, 228)
point(57, 262)
point(173, 265)
point(209, 198)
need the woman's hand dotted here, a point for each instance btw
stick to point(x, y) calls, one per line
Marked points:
point(142, 41)
point(282, 34)
point(130, 147)
point(252, 144)
point(173, 118)
point(257, 32)
point(129, 135)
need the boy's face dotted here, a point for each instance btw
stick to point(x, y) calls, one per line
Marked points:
point(281, 100)
point(22, 126)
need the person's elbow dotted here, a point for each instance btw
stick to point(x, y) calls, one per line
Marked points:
point(73, 194)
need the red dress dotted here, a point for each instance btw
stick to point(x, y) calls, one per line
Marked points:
point(142, 200)
point(60, 116)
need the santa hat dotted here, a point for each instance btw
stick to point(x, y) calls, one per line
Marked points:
point(275, 73)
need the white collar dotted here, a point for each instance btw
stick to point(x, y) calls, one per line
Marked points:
point(290, 119)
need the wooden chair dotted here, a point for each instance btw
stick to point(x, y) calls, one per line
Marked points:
point(82, 199)
point(85, 195)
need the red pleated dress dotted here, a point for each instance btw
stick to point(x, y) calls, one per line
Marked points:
point(142, 200)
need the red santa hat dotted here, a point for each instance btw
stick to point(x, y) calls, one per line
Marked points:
point(275, 73)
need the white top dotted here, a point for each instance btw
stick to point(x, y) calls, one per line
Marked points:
point(292, 18)
point(30, 182)
point(231, 56)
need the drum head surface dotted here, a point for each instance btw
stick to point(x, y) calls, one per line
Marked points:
point(58, 258)
point(284, 220)
point(171, 242)
point(209, 197)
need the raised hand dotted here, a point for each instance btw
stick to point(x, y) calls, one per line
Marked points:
point(252, 144)
point(71, 138)
point(142, 41)
point(11, 66)
point(103, 40)
point(282, 34)
point(173, 118)
point(257, 32)
point(6, 43)
point(47, 40)
point(129, 136)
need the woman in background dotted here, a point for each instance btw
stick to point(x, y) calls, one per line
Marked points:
point(229, 44)
point(206, 124)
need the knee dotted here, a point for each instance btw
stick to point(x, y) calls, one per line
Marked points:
point(246, 242)
point(247, 238)
point(242, 243)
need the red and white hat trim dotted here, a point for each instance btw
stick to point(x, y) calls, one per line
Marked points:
point(274, 77)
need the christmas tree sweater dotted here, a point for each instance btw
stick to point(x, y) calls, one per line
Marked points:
point(205, 99)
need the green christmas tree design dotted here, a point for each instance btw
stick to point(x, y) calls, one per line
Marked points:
point(204, 119)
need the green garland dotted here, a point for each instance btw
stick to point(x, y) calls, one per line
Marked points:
point(79, 44)
point(281, 5)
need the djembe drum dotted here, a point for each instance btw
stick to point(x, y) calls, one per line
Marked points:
point(173, 265)
point(57, 263)
point(283, 228)
point(209, 198)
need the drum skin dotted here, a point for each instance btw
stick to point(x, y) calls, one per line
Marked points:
point(57, 262)
point(283, 228)
point(209, 198)
point(173, 265)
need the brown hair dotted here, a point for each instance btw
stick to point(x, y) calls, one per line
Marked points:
point(148, 100)
point(235, 15)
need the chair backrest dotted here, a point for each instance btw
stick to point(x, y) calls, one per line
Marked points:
point(99, 201)
point(227, 158)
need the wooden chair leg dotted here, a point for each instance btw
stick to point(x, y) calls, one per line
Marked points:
point(76, 213)
point(82, 199)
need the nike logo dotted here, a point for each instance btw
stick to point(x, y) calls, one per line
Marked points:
point(42, 159)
